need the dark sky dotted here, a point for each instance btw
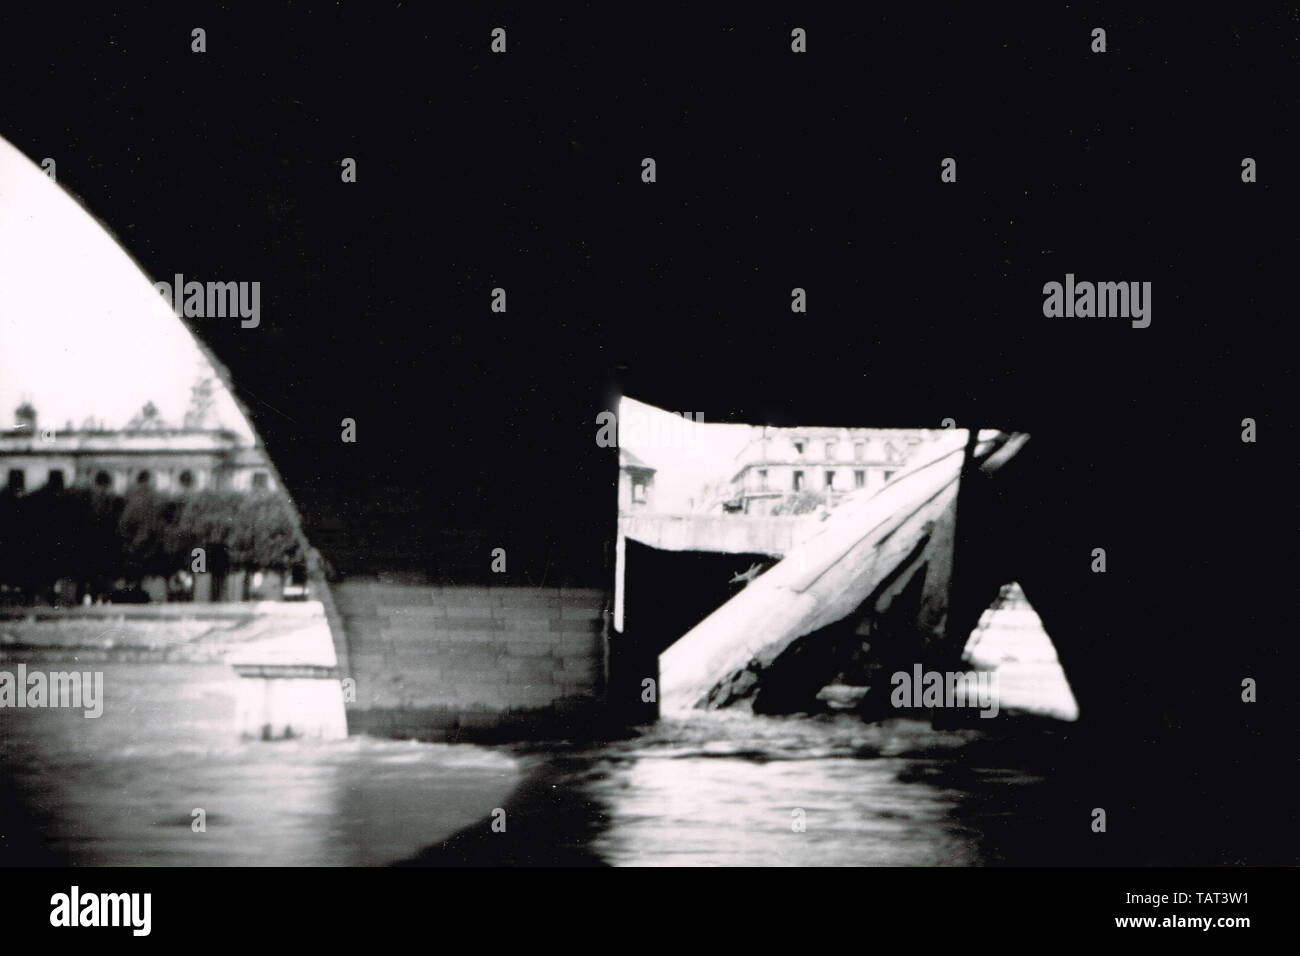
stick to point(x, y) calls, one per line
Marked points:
point(775, 171)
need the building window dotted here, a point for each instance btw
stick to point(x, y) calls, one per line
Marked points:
point(259, 481)
point(798, 447)
point(859, 450)
point(55, 480)
point(762, 479)
point(103, 479)
point(830, 480)
point(888, 475)
point(638, 491)
point(859, 479)
point(798, 481)
point(186, 479)
point(17, 480)
point(830, 450)
point(144, 478)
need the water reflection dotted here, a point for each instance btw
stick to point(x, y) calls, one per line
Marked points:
point(713, 789)
point(122, 790)
point(720, 789)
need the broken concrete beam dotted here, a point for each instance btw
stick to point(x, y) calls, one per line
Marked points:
point(822, 580)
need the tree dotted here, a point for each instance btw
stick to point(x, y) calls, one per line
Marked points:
point(248, 531)
point(92, 537)
point(276, 542)
point(147, 547)
point(51, 534)
point(201, 402)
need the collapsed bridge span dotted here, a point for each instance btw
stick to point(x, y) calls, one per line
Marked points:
point(880, 563)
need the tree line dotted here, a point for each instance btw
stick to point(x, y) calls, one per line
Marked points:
point(96, 538)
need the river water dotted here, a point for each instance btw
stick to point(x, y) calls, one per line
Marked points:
point(711, 789)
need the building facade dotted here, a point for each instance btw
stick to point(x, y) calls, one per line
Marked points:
point(163, 458)
point(636, 482)
point(780, 463)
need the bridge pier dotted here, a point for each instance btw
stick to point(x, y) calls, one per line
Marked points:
point(285, 701)
point(290, 683)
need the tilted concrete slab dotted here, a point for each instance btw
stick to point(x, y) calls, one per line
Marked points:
point(822, 580)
